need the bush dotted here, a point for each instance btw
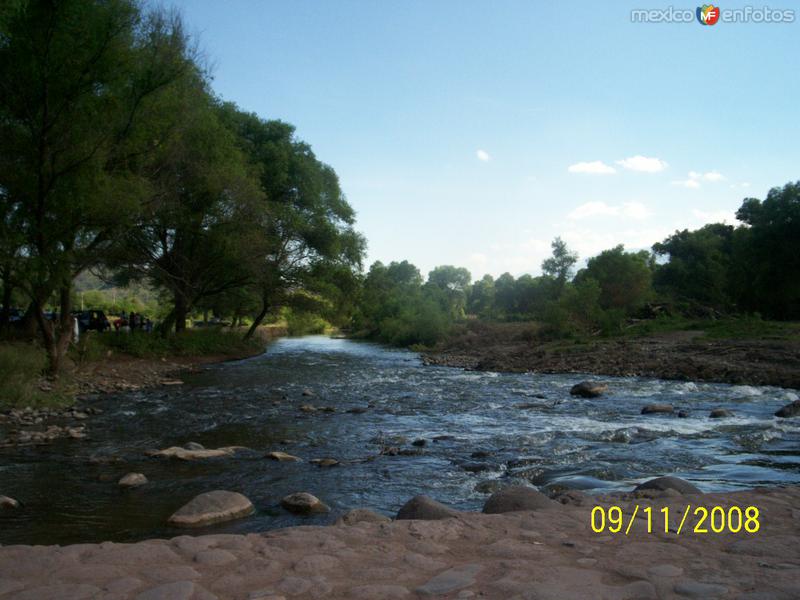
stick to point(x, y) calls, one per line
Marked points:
point(194, 342)
point(304, 323)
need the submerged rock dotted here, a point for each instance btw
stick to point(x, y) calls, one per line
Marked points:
point(308, 393)
point(324, 462)
point(668, 483)
point(514, 498)
point(282, 457)
point(651, 409)
point(790, 410)
point(426, 509)
point(132, 480)
point(588, 389)
point(720, 413)
point(361, 515)
point(212, 507)
point(303, 503)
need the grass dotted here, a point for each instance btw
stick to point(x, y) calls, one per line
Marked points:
point(195, 342)
point(22, 382)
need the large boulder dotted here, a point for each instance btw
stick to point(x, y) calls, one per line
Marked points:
point(516, 497)
point(361, 515)
point(212, 507)
point(303, 503)
point(662, 484)
point(588, 389)
point(425, 509)
point(652, 409)
point(790, 410)
point(132, 480)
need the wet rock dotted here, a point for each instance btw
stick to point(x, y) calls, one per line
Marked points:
point(194, 446)
point(303, 503)
point(308, 393)
point(389, 451)
point(184, 454)
point(651, 409)
point(683, 414)
point(358, 410)
point(516, 497)
point(308, 408)
point(444, 438)
point(324, 462)
point(419, 443)
point(668, 483)
point(282, 457)
point(480, 454)
point(720, 413)
point(361, 515)
point(476, 467)
point(410, 452)
point(490, 486)
point(327, 409)
point(212, 507)
point(426, 509)
point(132, 480)
point(8, 503)
point(171, 382)
point(571, 497)
point(588, 389)
point(790, 410)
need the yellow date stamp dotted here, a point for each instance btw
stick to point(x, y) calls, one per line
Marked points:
point(693, 519)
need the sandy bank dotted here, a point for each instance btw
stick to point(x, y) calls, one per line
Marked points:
point(545, 554)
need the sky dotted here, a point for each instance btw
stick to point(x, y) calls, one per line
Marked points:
point(472, 133)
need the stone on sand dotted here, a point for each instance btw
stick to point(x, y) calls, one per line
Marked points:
point(516, 497)
point(426, 509)
point(668, 483)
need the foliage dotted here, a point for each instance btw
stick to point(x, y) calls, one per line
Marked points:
point(211, 341)
point(21, 369)
point(624, 278)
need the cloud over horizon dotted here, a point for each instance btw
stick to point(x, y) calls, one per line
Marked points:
point(643, 164)
point(595, 167)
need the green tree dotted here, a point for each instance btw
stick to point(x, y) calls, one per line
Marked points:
point(77, 81)
point(625, 278)
point(559, 266)
point(453, 282)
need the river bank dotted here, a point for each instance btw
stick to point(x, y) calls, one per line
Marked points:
point(547, 553)
point(675, 355)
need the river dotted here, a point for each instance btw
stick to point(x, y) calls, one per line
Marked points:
point(524, 427)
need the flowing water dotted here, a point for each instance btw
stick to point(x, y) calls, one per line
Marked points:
point(524, 427)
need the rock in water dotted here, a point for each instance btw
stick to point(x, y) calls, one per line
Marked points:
point(324, 462)
point(303, 503)
point(283, 457)
point(194, 446)
point(8, 503)
point(212, 507)
point(720, 413)
point(652, 409)
point(668, 483)
point(184, 454)
point(361, 515)
point(790, 410)
point(308, 392)
point(588, 389)
point(516, 497)
point(132, 480)
point(426, 509)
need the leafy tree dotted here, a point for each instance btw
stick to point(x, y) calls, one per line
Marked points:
point(625, 278)
point(480, 297)
point(560, 265)
point(77, 80)
point(453, 282)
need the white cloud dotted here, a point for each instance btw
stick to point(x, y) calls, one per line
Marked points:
point(740, 186)
point(694, 178)
point(595, 167)
point(483, 155)
point(630, 210)
point(643, 164)
point(715, 216)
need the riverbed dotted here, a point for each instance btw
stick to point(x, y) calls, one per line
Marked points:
point(480, 430)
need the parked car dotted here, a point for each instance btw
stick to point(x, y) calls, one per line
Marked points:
point(92, 320)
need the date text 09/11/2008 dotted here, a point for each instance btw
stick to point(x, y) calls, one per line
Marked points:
point(716, 519)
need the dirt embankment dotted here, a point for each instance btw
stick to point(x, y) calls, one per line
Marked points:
point(544, 554)
point(681, 355)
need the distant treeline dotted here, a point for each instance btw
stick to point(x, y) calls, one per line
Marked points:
point(752, 269)
point(116, 158)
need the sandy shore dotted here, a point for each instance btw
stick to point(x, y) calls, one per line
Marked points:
point(680, 355)
point(544, 554)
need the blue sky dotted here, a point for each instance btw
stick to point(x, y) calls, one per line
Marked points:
point(473, 133)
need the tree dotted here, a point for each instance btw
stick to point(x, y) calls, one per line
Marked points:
point(453, 282)
point(307, 223)
point(559, 266)
point(77, 79)
point(480, 298)
point(699, 265)
point(768, 250)
point(624, 278)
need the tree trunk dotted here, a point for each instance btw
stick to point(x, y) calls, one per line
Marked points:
point(257, 321)
point(181, 310)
